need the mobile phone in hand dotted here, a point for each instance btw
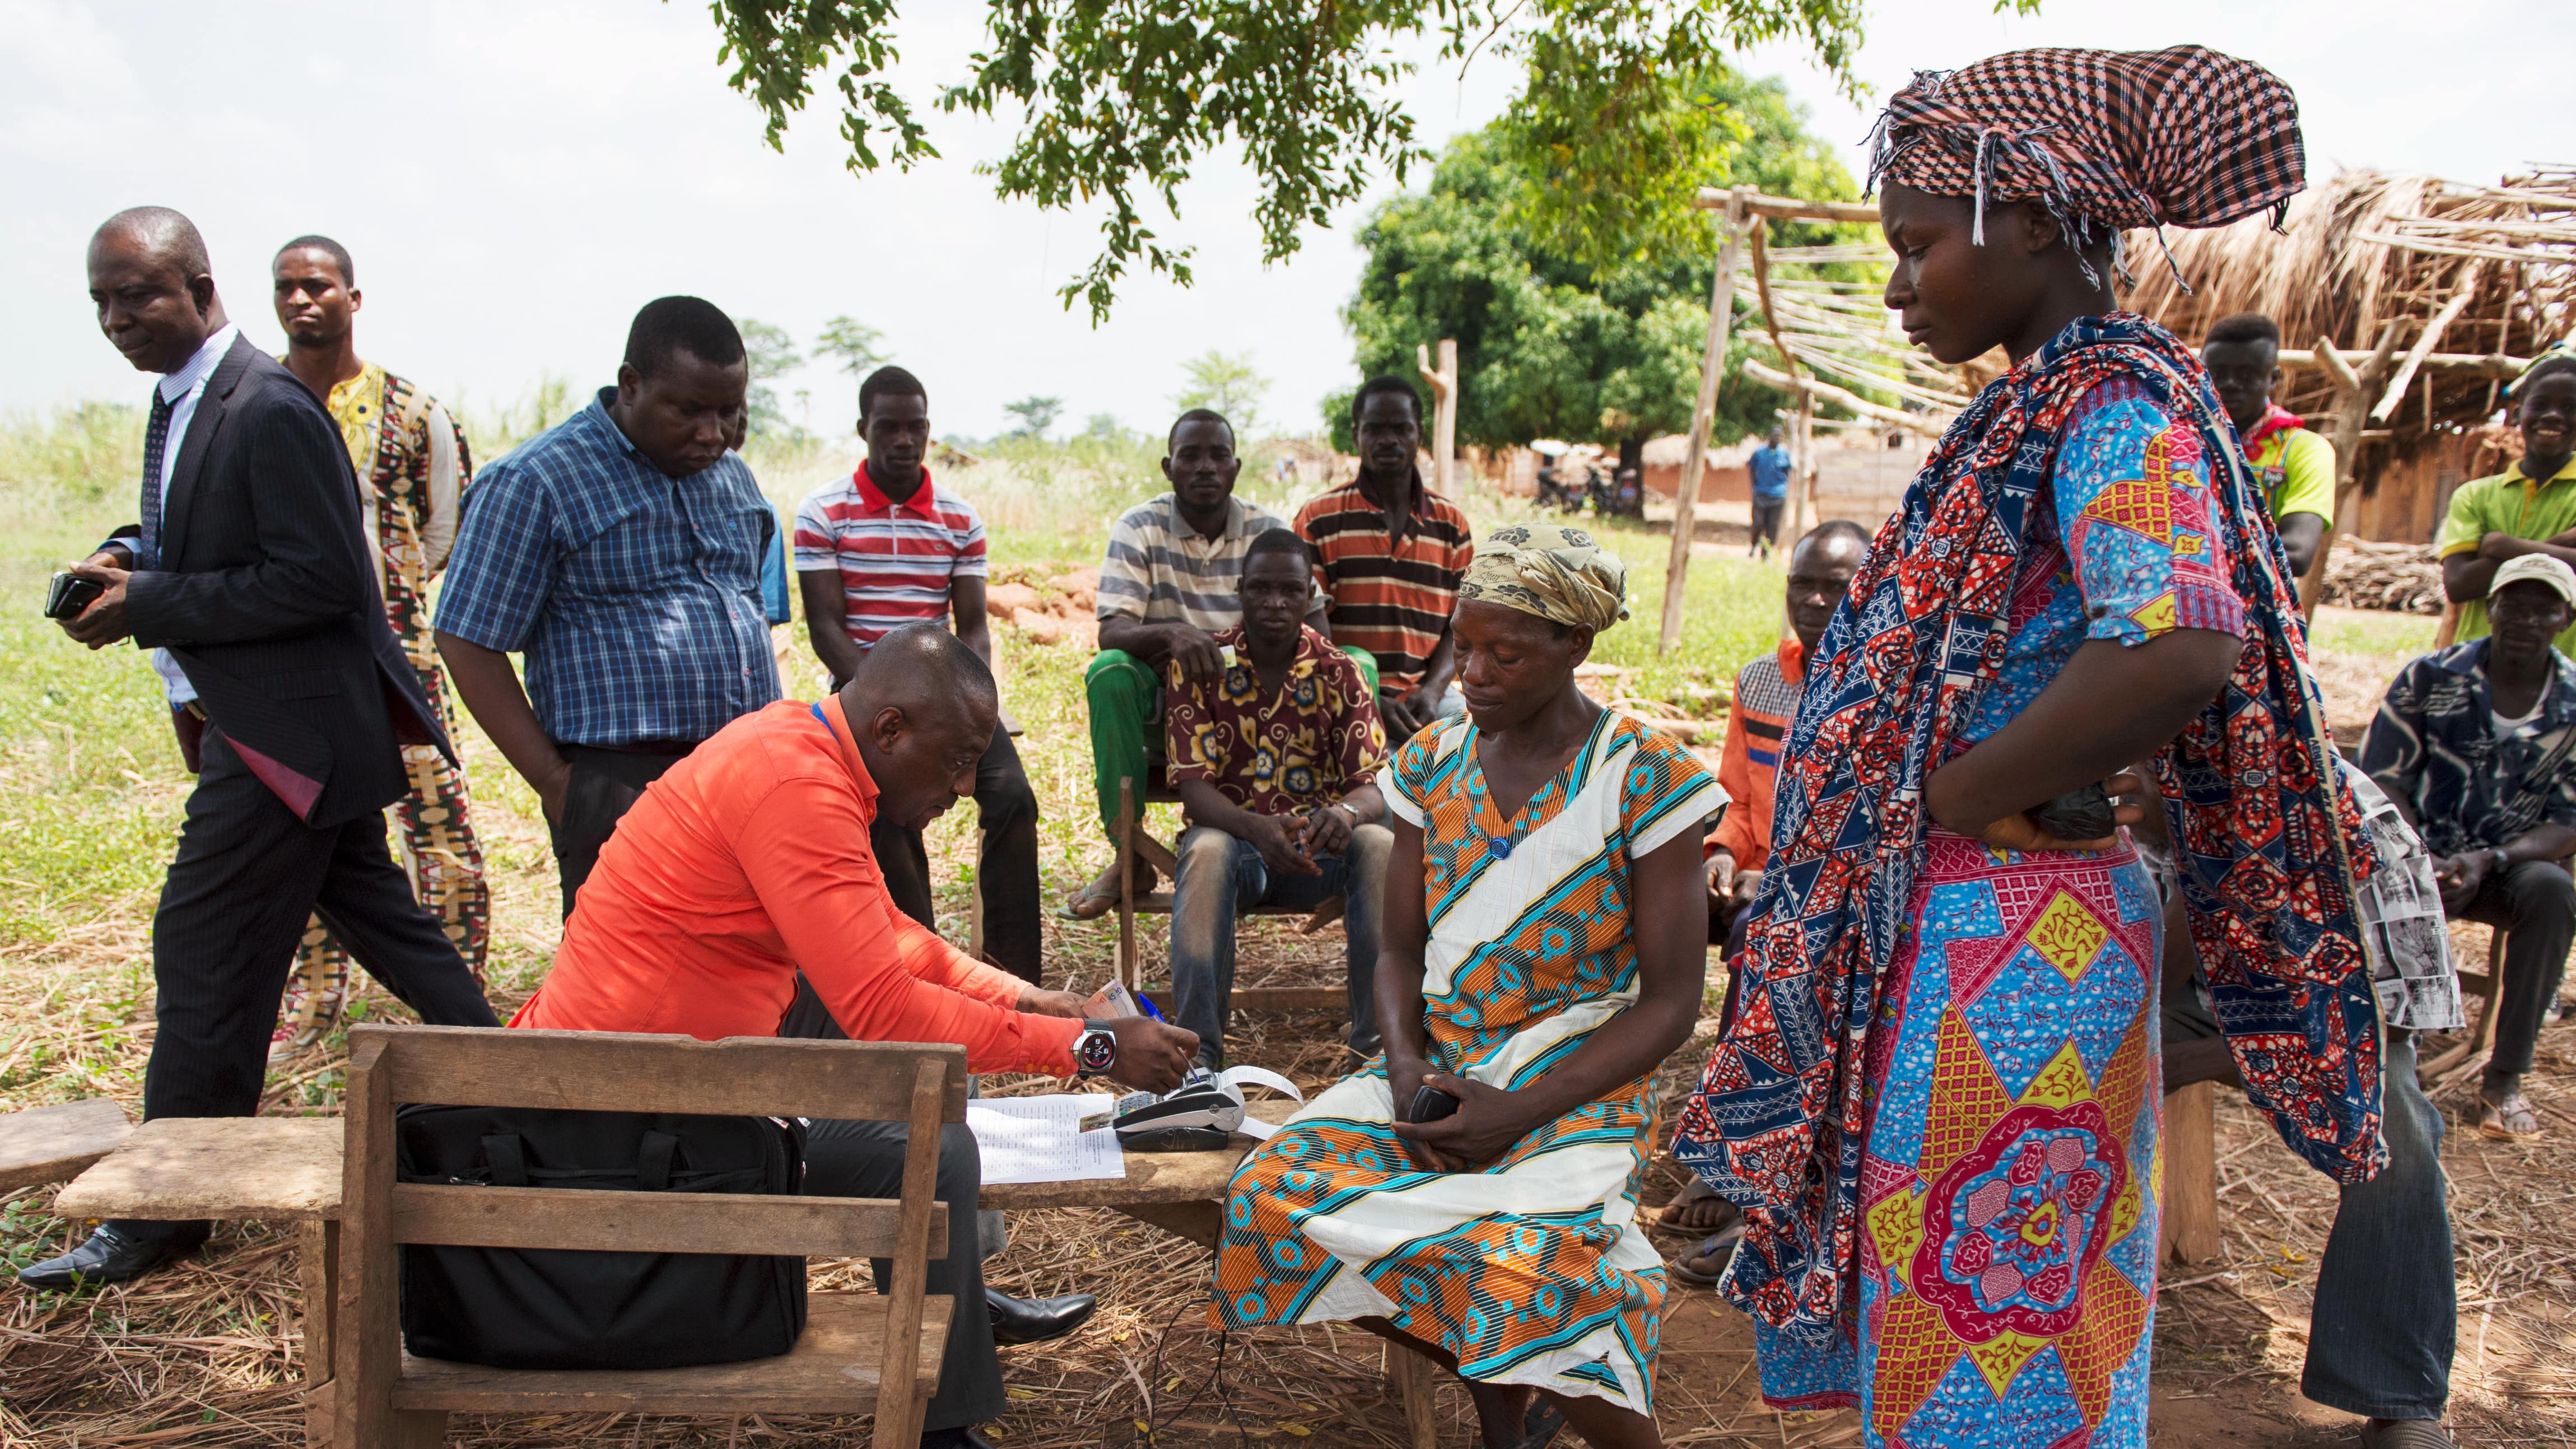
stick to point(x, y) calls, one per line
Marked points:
point(70, 594)
point(1430, 1104)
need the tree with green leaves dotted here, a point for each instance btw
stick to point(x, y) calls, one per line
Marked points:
point(1224, 384)
point(860, 347)
point(771, 353)
point(1036, 414)
point(1584, 329)
point(1117, 101)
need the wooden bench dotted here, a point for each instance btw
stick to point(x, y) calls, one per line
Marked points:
point(51, 1144)
point(290, 1169)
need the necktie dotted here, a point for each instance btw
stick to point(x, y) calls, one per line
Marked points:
point(156, 442)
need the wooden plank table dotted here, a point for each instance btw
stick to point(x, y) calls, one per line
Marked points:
point(49, 1144)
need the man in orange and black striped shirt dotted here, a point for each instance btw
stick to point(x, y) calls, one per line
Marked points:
point(1392, 554)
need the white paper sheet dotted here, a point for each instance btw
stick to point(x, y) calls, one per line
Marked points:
point(1235, 1077)
point(1039, 1139)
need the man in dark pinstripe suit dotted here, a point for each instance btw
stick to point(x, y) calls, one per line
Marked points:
point(248, 572)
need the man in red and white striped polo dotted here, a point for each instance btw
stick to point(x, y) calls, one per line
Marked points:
point(886, 547)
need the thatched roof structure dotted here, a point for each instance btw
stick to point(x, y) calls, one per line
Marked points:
point(2486, 269)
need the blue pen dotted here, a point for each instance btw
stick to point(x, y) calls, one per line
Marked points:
point(1147, 1002)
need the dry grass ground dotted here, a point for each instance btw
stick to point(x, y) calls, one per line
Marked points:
point(209, 1354)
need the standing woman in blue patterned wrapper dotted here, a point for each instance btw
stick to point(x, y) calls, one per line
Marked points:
point(1545, 943)
point(1938, 1098)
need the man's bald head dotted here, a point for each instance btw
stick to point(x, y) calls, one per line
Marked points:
point(923, 706)
point(167, 236)
point(153, 287)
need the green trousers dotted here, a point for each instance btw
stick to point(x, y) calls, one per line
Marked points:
point(1126, 698)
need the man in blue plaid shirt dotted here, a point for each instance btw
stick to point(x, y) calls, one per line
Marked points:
point(623, 552)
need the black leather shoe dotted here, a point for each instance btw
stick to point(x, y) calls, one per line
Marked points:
point(966, 1438)
point(1035, 1320)
point(112, 1255)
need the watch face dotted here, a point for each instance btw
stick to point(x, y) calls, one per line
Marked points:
point(1097, 1051)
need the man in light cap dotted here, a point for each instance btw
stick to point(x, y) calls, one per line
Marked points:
point(2477, 746)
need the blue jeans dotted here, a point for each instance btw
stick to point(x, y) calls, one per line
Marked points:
point(2387, 1314)
point(1221, 877)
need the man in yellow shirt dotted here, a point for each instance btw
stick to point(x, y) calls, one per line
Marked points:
point(2294, 467)
point(2528, 508)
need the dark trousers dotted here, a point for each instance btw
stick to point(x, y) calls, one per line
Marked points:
point(605, 785)
point(2536, 902)
point(247, 875)
point(2385, 1321)
point(865, 1159)
point(2386, 1316)
point(1766, 519)
point(1007, 872)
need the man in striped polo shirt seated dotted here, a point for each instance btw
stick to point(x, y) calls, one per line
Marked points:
point(1392, 553)
point(886, 547)
point(1167, 584)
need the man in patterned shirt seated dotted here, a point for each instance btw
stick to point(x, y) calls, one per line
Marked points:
point(1274, 761)
point(2476, 744)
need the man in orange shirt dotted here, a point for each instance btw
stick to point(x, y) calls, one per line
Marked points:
point(1766, 699)
point(749, 862)
point(1748, 768)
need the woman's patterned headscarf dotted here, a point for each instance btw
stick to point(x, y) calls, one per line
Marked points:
point(1557, 573)
point(2105, 139)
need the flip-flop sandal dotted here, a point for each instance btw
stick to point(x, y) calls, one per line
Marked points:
point(2493, 1123)
point(1083, 908)
point(1719, 1245)
point(1541, 1425)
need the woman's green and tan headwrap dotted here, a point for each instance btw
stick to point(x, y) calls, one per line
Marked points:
point(1559, 574)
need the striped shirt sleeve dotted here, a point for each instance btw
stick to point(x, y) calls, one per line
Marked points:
point(817, 550)
point(1126, 569)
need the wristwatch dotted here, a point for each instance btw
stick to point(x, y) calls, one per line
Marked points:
point(1096, 1050)
point(2502, 860)
point(1344, 806)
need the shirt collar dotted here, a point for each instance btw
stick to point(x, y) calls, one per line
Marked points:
point(1181, 532)
point(2566, 471)
point(2275, 419)
point(837, 722)
point(871, 496)
point(1793, 660)
point(2558, 702)
point(369, 379)
point(193, 373)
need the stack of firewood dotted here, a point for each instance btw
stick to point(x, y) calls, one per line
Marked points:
point(2399, 577)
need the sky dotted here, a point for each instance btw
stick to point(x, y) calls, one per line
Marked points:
point(515, 177)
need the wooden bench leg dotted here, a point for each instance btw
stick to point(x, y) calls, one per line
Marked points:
point(1415, 1379)
point(2190, 1230)
point(319, 1267)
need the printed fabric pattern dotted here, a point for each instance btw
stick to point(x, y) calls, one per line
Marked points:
point(2434, 744)
point(2270, 845)
point(1301, 750)
point(413, 465)
point(2007, 1257)
point(1531, 1269)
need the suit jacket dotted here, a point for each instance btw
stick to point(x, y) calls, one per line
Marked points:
point(267, 599)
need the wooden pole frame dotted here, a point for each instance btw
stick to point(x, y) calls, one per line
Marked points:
point(2353, 389)
point(1444, 424)
point(1712, 370)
